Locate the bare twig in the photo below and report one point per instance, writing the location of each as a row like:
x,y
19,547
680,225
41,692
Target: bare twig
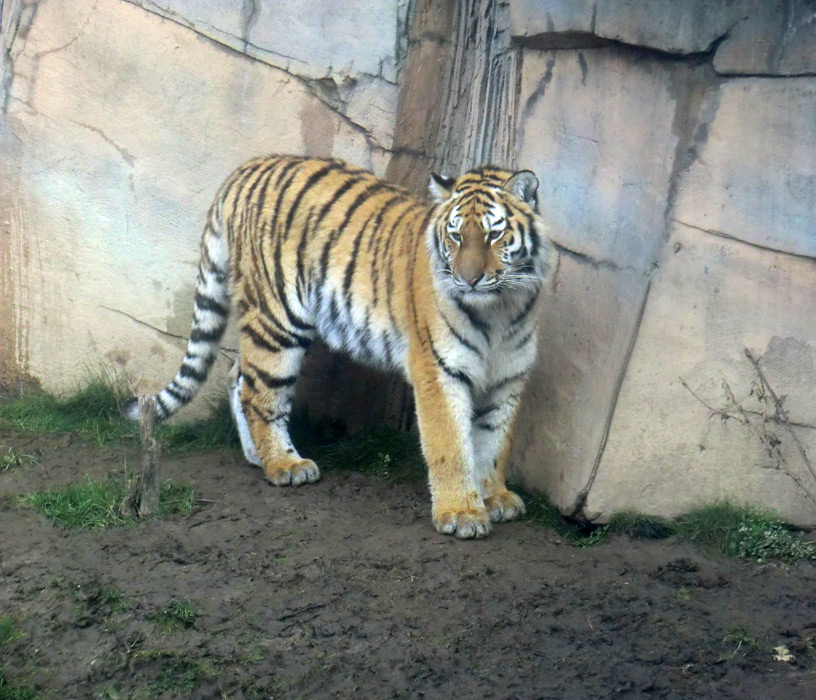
x,y
149,503
725,415
773,449
761,434
769,441
301,611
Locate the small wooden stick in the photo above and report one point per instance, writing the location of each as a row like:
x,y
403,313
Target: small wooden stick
x,y
149,501
142,493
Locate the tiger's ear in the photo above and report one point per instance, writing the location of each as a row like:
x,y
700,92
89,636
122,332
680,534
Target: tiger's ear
x,y
524,184
440,187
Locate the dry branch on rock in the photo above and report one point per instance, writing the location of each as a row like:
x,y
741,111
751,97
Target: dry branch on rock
x,y
764,426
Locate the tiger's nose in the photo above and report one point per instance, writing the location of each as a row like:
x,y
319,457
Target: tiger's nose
x,y
473,282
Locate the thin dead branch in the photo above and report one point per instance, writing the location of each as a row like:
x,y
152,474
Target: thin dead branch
x,y
781,412
760,428
725,415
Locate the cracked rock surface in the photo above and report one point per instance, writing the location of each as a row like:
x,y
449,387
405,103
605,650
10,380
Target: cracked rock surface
x,y
118,126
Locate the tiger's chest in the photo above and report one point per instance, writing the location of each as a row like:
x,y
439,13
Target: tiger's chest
x,y
488,346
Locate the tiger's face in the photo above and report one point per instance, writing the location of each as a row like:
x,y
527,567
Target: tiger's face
x,y
486,235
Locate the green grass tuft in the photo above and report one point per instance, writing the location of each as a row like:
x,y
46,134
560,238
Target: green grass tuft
x,y
381,452
94,504
93,412
211,433
93,598
639,526
9,691
542,513
177,615
13,459
748,532
734,531
172,674
8,631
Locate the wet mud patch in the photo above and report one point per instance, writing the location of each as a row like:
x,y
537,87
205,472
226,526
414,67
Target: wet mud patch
x,y
344,589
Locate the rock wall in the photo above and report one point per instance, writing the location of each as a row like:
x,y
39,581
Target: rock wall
x,y
119,122
676,145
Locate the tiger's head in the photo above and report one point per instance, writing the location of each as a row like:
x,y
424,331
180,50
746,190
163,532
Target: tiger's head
x,y
486,236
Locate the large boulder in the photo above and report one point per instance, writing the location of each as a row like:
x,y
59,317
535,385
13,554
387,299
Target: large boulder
x,y
603,150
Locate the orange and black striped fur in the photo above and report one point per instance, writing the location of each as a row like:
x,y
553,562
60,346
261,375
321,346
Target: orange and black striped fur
x,y
445,291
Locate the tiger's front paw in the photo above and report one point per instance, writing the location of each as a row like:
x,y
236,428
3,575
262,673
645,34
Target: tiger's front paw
x,y
292,473
505,506
465,524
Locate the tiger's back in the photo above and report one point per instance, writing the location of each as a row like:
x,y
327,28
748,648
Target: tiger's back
x,y
319,248
445,292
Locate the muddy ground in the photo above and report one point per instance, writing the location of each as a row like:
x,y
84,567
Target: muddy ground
x,y
343,589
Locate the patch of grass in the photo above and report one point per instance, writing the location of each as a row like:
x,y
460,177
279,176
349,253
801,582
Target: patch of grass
x,y
13,691
542,513
13,459
94,413
178,674
213,432
93,598
9,631
592,538
738,639
176,615
748,532
735,531
639,526
94,504
380,451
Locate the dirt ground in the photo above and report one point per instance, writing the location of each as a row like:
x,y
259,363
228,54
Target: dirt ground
x,y
343,589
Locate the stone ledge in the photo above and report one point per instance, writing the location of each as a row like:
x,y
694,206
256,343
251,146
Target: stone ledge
x,y
774,37
671,26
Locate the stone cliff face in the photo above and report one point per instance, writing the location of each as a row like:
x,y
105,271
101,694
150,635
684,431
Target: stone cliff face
x,y
675,142
676,145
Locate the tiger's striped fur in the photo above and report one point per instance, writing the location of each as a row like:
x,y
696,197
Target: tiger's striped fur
x,y
445,292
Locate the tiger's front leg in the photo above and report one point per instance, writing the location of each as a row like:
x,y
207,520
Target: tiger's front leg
x,y
444,406
493,420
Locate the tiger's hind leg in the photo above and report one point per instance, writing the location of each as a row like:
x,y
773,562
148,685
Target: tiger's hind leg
x,y
268,375
237,410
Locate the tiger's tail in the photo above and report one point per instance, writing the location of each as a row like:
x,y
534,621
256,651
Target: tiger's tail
x,y
211,308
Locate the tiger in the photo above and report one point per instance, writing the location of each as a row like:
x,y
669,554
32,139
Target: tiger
x,y
445,291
